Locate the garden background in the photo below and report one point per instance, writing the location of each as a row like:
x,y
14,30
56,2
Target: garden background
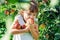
x,y
48,18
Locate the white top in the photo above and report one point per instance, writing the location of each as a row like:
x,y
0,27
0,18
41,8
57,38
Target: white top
x,y
22,36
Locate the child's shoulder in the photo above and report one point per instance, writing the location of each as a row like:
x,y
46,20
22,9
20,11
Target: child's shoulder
x,y
18,16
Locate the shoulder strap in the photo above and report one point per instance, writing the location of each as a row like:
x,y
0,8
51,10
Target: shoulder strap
x,y
23,19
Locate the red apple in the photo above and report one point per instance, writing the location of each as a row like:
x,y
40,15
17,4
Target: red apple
x,y
16,26
23,27
12,10
31,20
6,12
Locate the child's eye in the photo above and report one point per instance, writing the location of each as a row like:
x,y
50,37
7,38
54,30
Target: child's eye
x,y
34,15
29,14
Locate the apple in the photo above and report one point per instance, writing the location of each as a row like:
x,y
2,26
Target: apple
x,y
7,12
23,26
12,10
16,26
30,20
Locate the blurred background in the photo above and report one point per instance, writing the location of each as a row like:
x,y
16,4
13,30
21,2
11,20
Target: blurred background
x,y
48,17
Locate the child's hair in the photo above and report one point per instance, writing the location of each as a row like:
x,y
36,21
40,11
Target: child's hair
x,y
33,7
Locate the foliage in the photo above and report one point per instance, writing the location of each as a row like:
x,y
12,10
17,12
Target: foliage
x,y
50,17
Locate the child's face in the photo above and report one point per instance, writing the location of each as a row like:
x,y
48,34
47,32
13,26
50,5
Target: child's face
x,y
32,15
28,14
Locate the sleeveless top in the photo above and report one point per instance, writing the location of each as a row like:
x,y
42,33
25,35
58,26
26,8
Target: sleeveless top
x,y
22,36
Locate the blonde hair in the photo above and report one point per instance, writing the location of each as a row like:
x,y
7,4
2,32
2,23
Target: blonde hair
x,y
25,6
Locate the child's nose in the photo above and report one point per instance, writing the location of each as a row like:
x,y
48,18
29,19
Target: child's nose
x,y
31,16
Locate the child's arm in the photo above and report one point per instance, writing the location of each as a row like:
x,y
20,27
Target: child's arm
x,y
33,29
16,31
